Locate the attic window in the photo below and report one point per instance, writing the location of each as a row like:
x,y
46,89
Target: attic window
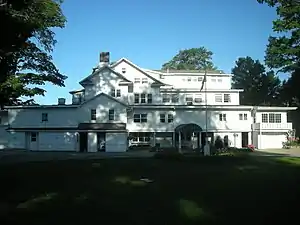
x,y
123,70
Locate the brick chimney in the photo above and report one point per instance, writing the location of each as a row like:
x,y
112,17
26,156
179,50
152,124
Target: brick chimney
x,y
104,59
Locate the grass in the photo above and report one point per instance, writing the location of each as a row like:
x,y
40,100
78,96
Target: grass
x,y
199,190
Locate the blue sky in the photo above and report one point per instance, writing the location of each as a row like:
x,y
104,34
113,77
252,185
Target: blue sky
x,y
151,32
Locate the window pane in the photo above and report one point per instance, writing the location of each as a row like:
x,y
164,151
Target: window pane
x,y
137,118
118,93
136,98
166,98
149,98
143,98
189,79
224,117
144,81
143,118
241,116
227,98
271,118
264,118
198,98
130,89
277,118
162,118
189,98
170,118
93,114
111,114
175,98
245,116
44,117
137,80
200,79
112,92
218,98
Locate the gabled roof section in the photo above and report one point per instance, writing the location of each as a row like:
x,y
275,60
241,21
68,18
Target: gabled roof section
x,y
138,68
100,70
106,95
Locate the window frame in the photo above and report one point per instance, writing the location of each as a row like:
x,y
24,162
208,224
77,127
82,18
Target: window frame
x,y
113,92
227,98
265,118
222,117
44,117
111,114
162,117
149,98
118,93
93,114
170,118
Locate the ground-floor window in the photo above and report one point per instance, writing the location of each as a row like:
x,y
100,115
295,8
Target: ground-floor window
x,y
140,136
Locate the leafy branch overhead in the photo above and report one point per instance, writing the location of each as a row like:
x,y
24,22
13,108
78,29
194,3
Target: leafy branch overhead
x,y
191,59
283,52
25,47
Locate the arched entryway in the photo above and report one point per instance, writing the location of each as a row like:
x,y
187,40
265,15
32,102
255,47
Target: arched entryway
x,y
188,136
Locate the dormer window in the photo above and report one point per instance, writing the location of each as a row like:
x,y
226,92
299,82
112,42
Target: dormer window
x,y
144,80
123,70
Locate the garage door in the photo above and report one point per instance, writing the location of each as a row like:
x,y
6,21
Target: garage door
x,y
272,140
116,142
57,141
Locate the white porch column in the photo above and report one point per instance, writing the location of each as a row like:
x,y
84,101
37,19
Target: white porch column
x,y
92,142
174,139
154,139
179,143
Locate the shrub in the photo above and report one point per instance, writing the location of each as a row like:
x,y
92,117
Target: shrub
x,y
219,143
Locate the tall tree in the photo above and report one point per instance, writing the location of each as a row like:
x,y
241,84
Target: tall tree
x,y
283,51
260,87
191,59
27,40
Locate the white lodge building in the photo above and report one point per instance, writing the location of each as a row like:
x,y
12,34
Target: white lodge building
x,y
123,104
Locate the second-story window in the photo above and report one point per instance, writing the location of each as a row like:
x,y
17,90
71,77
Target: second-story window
x,y
113,92
118,93
189,98
144,80
165,98
222,117
136,98
243,116
130,88
140,118
264,118
175,98
137,80
198,98
44,117
149,98
162,118
274,118
227,98
189,79
111,114
170,118
93,114
143,98
218,98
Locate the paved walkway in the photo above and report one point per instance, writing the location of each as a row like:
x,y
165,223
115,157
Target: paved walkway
x,y
294,152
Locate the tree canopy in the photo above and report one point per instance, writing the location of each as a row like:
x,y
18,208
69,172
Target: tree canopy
x,y
260,87
283,52
26,43
191,59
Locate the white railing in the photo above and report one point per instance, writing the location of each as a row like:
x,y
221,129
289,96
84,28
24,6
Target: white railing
x,y
273,126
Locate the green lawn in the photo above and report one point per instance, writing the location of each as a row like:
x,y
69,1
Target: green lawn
x,y
207,190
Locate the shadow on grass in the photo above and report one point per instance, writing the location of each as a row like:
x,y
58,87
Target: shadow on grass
x,y
192,190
